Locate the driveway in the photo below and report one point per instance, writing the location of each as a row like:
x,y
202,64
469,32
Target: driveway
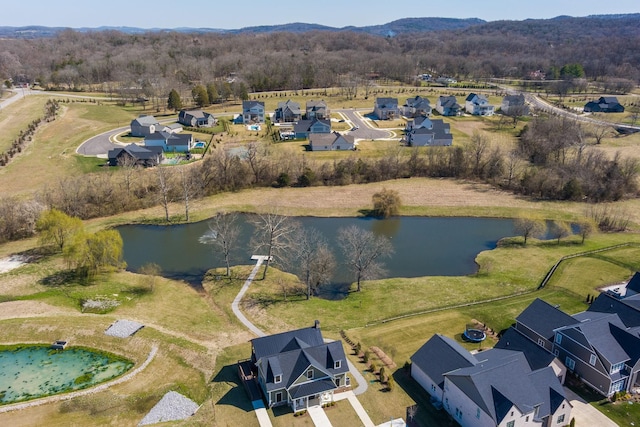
x,y
585,414
365,130
100,144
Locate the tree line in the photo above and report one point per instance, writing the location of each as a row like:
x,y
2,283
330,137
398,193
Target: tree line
x,y
152,63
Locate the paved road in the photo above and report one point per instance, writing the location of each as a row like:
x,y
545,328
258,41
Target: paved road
x,y
100,144
365,129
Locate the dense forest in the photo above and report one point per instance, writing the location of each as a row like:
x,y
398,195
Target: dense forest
x,y
604,47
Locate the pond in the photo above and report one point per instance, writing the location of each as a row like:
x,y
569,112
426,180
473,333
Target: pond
x,y
29,372
424,246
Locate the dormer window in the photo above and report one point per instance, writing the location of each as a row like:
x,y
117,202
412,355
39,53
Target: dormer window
x,y
310,374
337,364
278,379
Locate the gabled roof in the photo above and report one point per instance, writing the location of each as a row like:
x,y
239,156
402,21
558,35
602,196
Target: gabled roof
x,y
137,152
306,125
542,318
628,309
145,120
247,105
609,100
448,101
537,356
513,100
440,355
505,380
634,283
286,341
322,139
387,102
293,106
198,114
418,102
316,105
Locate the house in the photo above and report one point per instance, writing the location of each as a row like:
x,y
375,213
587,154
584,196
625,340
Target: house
x,y
386,108
495,387
317,110
537,356
252,112
448,106
135,155
416,107
196,118
331,141
514,105
144,125
303,128
423,132
174,143
478,105
538,321
288,111
601,345
606,104
297,368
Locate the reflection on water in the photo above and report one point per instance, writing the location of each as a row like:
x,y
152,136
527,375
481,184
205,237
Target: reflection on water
x,y
423,246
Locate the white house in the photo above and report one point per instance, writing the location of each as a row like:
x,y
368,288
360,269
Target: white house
x,y
478,105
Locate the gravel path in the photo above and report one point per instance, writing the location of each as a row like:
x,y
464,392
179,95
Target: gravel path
x,y
86,392
172,407
123,328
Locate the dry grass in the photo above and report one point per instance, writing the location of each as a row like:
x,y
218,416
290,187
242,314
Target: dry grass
x,y
17,116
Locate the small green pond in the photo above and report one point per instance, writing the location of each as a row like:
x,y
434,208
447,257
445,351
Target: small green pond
x,y
33,371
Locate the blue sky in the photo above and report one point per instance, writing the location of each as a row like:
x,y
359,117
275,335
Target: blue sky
x,y
230,14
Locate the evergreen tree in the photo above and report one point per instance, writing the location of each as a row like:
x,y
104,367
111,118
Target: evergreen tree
x,y
200,95
174,102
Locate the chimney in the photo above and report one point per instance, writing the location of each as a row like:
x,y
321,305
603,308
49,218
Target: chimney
x,y
316,324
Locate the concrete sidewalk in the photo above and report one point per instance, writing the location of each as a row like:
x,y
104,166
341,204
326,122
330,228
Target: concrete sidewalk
x,y
585,414
318,417
357,406
261,413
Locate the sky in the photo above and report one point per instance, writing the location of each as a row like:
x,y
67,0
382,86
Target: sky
x,y
229,14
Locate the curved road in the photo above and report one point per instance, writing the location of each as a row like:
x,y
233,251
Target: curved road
x,y
365,130
100,144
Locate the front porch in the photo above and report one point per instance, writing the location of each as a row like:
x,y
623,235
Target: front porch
x,y
306,402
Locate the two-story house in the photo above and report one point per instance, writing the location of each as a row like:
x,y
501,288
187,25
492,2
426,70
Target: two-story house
x,y
386,108
495,387
288,112
297,368
317,110
303,128
605,104
478,105
514,105
448,106
416,107
252,112
425,132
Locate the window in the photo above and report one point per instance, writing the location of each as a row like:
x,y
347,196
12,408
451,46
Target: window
x,y
512,413
337,364
540,342
617,367
478,413
556,352
433,387
592,359
527,419
279,397
560,419
278,379
511,424
617,386
558,339
571,364
310,374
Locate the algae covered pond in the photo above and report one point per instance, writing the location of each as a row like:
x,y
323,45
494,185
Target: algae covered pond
x,y
30,372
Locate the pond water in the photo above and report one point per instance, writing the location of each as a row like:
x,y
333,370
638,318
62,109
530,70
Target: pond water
x,y
423,246
30,372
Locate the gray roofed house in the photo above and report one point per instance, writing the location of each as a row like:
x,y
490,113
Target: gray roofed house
x,y
386,108
416,107
537,356
287,112
196,118
633,286
298,368
331,141
495,387
627,308
303,128
317,110
539,320
144,125
170,142
448,106
427,132
605,104
252,112
135,155
478,105
514,105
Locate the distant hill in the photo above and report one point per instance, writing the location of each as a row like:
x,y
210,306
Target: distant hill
x,y
400,26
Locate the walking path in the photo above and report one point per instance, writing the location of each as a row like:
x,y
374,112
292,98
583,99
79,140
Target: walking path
x,y
261,412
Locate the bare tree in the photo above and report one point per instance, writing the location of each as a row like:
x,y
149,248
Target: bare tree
x,y
274,234
362,249
559,230
223,233
164,189
599,133
152,271
188,187
314,259
529,227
